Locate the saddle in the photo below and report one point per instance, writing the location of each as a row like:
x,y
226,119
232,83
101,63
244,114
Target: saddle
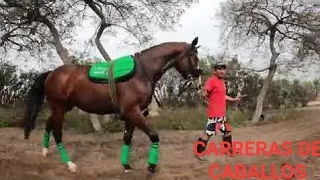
x,y
117,70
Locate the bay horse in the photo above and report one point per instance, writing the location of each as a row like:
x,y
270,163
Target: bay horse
x,y
68,86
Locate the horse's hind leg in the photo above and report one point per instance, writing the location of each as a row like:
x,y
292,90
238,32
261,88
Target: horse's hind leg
x,y
136,117
57,122
46,137
127,136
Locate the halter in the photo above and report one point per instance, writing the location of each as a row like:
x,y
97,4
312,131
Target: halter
x,y
173,61
190,80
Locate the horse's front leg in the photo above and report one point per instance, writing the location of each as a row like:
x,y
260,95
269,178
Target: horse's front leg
x,y
127,136
135,116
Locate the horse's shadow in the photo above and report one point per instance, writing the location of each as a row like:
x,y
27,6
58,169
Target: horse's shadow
x,y
139,174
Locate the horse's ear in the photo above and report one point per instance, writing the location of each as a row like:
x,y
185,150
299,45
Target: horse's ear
x,y
194,42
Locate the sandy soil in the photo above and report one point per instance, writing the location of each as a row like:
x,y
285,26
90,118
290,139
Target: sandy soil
x,y
97,155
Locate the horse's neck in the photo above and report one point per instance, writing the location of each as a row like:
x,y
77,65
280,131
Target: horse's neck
x,y
154,63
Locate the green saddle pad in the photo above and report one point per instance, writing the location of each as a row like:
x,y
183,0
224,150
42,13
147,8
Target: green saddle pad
x,y
123,69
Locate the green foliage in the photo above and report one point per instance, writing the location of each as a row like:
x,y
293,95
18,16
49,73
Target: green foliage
x,y
286,94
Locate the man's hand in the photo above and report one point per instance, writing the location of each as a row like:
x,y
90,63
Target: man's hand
x,y
238,98
204,94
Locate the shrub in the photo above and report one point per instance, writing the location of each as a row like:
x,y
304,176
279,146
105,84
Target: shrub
x,y
194,118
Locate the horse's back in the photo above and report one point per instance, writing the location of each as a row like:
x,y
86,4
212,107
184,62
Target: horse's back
x,y
64,77
71,68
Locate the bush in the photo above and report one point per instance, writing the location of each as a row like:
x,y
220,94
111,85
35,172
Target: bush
x,y
238,118
170,119
284,115
194,118
180,119
9,117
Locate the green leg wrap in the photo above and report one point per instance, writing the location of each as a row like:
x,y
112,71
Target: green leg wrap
x,y
63,153
154,153
46,139
125,154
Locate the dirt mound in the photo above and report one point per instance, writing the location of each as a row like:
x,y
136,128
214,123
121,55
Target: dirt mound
x,y
98,155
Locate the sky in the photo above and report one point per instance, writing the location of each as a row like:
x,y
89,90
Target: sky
x,y
197,21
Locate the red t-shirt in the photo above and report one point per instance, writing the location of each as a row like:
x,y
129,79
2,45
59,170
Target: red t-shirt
x,y
216,97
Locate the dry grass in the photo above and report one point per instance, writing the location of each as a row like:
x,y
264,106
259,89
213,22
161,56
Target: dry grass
x,y
170,119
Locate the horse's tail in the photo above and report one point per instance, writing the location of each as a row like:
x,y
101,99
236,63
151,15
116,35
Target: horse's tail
x,y
35,99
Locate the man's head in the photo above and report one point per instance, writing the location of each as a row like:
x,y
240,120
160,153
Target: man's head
x,y
219,69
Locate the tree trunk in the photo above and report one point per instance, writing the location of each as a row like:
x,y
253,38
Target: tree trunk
x,y
268,80
154,108
61,50
262,95
94,118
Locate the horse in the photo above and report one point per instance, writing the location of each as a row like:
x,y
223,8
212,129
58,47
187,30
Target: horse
x,y
69,86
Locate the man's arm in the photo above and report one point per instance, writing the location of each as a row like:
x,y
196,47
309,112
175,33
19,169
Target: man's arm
x,y
207,88
228,98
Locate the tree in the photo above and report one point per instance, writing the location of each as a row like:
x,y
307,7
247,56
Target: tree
x,y
36,26
286,25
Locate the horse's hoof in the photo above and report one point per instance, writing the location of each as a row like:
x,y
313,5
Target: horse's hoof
x,y
152,168
72,167
127,168
45,152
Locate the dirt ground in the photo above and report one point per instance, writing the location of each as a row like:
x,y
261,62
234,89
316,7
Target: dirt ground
x,y
97,155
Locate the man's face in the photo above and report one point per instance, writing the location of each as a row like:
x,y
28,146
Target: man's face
x,y
220,72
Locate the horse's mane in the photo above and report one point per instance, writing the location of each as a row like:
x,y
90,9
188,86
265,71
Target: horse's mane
x,y
157,46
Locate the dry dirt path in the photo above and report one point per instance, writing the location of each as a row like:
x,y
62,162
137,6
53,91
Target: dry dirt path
x,y
97,155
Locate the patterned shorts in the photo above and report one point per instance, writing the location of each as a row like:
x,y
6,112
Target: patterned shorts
x,y
217,124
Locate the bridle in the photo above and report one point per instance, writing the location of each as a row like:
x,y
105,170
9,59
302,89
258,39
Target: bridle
x,y
186,54
190,80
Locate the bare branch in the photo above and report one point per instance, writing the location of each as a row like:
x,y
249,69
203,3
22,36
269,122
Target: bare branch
x,y
255,70
102,27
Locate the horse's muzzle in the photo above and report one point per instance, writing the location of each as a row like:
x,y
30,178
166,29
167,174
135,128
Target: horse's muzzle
x,y
193,74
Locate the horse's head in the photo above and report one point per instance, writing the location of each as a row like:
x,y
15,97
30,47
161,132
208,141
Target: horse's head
x,y
186,62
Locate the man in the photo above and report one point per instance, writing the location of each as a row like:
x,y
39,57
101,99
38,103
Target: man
x,y
215,92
